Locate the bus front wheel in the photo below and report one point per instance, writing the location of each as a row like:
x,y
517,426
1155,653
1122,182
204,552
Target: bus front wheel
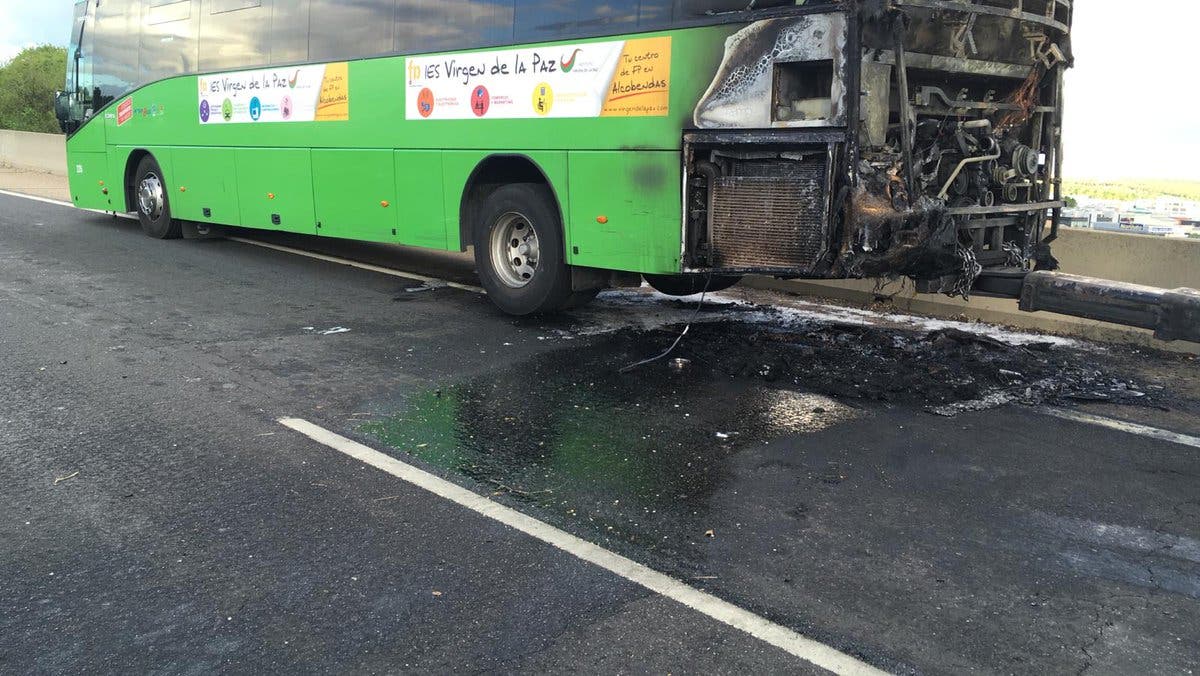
x,y
153,205
519,251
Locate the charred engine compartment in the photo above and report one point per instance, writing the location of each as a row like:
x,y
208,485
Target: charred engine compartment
x,y
945,169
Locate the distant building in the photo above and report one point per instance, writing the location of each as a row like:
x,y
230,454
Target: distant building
x,y
1137,223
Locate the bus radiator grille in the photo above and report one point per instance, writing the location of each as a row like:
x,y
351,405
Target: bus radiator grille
x,y
769,222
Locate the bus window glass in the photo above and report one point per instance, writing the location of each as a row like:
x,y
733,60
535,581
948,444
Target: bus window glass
x,y
441,25
654,14
233,34
168,43
539,21
218,6
288,42
345,30
114,63
698,9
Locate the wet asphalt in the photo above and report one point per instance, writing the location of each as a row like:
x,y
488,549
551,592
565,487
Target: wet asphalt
x,y
154,516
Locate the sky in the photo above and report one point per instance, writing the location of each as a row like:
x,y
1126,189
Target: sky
x,y
1133,105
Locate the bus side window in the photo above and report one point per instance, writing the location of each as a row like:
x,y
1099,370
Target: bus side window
x,y
114,63
341,30
436,25
234,34
170,29
537,20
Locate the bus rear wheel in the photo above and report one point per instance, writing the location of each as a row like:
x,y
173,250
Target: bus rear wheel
x,y
519,251
690,285
153,205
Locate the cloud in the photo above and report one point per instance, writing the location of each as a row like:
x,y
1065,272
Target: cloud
x,y
8,51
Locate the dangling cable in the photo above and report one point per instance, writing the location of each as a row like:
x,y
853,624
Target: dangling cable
x,y
679,339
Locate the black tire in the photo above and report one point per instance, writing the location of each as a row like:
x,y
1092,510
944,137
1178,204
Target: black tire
x,y
539,283
155,217
690,285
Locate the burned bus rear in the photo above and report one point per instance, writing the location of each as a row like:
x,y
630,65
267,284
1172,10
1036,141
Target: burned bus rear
x,y
889,139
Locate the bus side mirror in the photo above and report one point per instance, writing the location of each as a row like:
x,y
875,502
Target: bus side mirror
x,y
62,111
62,105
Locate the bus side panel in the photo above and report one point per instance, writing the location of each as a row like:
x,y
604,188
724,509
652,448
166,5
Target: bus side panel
x,y
637,195
275,188
206,178
88,179
87,167
458,165
421,202
355,193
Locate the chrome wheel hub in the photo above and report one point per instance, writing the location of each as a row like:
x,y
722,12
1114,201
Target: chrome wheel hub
x,y
515,250
150,196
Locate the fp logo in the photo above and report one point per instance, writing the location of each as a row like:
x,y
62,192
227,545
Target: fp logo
x,y
425,102
414,71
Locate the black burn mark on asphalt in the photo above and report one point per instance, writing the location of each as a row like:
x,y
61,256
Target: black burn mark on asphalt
x,y
634,460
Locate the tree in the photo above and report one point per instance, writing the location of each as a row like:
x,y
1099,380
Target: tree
x,y
27,86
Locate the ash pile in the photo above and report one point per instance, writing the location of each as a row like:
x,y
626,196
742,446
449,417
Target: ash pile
x,y
944,372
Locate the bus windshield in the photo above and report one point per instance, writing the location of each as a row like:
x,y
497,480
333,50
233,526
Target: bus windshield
x,y
74,102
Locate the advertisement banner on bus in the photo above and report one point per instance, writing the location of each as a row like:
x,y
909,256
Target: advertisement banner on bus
x,y
317,93
626,78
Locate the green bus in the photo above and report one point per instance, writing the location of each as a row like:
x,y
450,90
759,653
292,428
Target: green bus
x,y
581,145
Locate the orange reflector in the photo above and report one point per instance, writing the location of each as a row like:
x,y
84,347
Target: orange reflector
x,y
270,195
182,189
385,204
101,182
602,219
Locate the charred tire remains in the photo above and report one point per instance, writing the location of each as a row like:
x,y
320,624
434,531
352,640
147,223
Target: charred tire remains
x,y
152,201
519,251
690,285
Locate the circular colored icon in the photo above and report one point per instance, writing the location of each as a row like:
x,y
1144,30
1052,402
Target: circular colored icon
x,y
480,101
543,99
205,111
227,110
255,109
425,102
285,107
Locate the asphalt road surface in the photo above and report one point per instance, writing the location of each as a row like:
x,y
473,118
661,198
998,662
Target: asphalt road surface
x,y
832,477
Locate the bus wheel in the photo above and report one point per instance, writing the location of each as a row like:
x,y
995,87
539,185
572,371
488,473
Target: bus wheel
x,y
153,206
519,250
690,285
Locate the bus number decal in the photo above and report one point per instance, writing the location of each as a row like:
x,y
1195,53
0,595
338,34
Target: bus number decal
x,y
628,78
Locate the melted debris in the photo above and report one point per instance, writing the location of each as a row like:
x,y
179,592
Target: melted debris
x,y
945,371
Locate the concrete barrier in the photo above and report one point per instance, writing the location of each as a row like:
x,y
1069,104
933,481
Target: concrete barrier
x,y
1167,263
33,152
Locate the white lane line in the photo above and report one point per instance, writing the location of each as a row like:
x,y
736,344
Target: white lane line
x,y
35,198
1122,426
356,264
278,247
61,203
781,637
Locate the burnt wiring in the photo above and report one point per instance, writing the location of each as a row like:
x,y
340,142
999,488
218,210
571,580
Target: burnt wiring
x,y
678,339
